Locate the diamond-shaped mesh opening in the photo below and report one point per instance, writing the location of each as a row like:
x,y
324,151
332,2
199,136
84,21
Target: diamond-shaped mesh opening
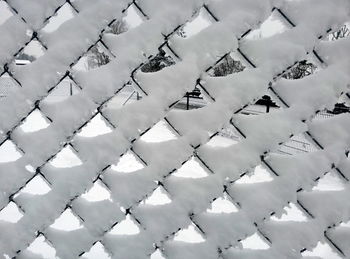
x,y
158,197
41,247
34,122
195,99
67,157
227,136
63,14
201,20
273,25
191,169
96,126
255,242
322,250
126,227
157,255
96,251
222,204
230,64
161,201
265,104
128,163
67,221
331,181
36,186
160,132
11,213
342,106
97,56
258,175
65,88
302,69
117,27
9,152
31,52
292,212
127,95
7,85
98,192
190,234
341,33
158,62
132,18
298,144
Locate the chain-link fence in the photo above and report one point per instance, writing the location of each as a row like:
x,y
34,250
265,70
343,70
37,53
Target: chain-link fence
x,y
124,135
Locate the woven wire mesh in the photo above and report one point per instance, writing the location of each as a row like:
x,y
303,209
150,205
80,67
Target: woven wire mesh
x,y
295,146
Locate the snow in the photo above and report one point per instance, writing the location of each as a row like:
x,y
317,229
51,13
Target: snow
x,y
40,246
323,250
97,126
157,255
9,152
189,235
86,170
330,182
260,174
11,213
37,185
98,192
34,122
222,205
35,49
292,213
66,158
97,251
158,197
61,92
132,17
128,163
191,169
202,21
219,141
158,133
254,242
55,21
5,12
66,221
271,26
125,227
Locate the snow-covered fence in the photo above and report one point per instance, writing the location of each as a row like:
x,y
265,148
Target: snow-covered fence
x,y
87,176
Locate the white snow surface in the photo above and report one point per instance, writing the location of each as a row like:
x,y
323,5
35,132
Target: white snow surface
x,y
83,177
